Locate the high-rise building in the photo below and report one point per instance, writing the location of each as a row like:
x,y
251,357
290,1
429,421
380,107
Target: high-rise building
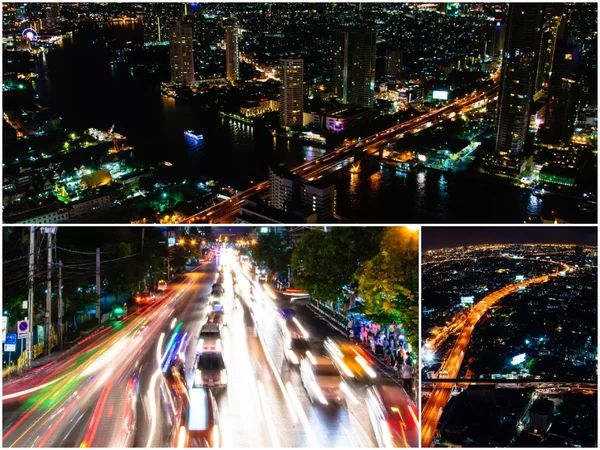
x,y
518,76
393,62
320,197
563,92
283,188
494,37
554,24
291,102
232,57
353,78
181,51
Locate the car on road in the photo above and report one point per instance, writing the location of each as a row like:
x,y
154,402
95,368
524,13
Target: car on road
x,y
295,349
394,416
209,339
210,370
322,380
217,318
351,360
118,312
203,426
145,297
162,286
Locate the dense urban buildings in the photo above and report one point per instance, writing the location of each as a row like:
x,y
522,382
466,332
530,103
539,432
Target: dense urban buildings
x,y
409,112
513,327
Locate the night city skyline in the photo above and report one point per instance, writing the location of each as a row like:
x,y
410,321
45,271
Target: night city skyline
x,y
300,224
448,237
513,327
300,113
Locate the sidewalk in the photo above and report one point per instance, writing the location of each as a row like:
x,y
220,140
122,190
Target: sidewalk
x,y
385,368
43,362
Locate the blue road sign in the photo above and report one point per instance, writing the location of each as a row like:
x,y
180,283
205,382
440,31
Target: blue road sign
x,y
11,338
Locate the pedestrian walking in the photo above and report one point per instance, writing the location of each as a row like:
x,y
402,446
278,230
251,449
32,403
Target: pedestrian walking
x,y
407,378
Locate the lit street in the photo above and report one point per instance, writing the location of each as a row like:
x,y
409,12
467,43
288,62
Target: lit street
x,y
441,393
109,390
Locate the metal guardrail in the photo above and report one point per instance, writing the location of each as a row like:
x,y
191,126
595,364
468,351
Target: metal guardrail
x,y
332,315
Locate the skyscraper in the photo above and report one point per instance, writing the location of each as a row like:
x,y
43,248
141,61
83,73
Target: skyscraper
x,y
393,63
520,60
553,24
353,78
563,90
232,57
181,51
291,102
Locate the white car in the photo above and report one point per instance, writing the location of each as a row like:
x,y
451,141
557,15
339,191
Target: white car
x,y
322,380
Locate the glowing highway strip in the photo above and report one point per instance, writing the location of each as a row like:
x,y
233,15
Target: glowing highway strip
x,y
262,395
152,391
29,391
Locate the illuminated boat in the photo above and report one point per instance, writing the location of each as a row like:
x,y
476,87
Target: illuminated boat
x,y
192,134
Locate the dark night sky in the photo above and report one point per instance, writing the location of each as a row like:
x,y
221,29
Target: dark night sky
x,y
445,237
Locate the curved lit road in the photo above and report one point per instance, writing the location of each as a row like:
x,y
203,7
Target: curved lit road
x,y
432,411
87,397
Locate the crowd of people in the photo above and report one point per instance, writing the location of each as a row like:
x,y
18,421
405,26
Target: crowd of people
x,y
391,348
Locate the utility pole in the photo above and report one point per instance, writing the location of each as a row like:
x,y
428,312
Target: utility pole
x,y
48,311
60,307
98,284
142,259
30,295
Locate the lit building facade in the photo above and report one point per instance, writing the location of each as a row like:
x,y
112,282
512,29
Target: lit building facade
x,y
291,101
232,56
353,78
181,52
563,94
517,86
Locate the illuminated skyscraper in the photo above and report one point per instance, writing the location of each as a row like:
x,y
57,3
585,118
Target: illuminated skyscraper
x,y
517,86
291,102
554,23
353,78
393,63
563,91
232,56
181,51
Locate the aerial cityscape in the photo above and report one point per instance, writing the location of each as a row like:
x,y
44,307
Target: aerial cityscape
x,y
509,337
331,113
210,337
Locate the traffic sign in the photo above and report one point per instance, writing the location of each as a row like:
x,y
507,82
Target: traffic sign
x,y
10,347
11,339
23,328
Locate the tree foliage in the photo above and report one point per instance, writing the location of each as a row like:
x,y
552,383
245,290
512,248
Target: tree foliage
x,y
123,277
272,251
389,282
324,263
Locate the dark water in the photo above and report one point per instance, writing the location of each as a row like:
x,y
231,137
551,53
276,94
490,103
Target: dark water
x,y
78,82
383,195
